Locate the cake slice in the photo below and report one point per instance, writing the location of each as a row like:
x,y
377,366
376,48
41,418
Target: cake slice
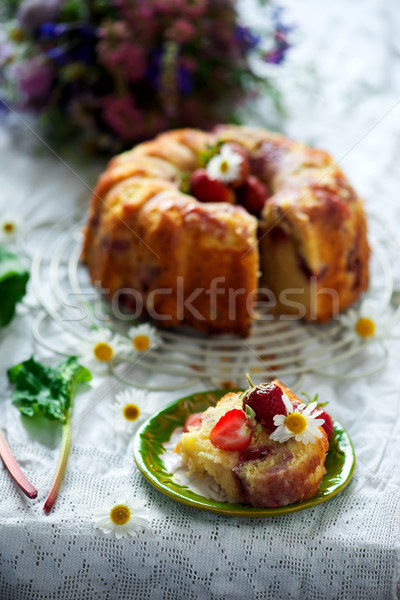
x,y
256,461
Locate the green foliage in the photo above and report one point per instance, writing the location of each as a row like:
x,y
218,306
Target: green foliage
x,y
315,399
13,280
208,153
40,388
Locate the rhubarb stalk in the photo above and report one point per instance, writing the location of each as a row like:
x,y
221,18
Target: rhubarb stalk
x,y
61,465
48,390
14,469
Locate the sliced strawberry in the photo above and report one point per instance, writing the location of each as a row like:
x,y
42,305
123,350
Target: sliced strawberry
x,y
231,432
193,420
206,189
266,402
244,166
328,425
253,194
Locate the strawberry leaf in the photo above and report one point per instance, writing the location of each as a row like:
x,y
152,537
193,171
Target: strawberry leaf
x,y
206,155
315,399
250,413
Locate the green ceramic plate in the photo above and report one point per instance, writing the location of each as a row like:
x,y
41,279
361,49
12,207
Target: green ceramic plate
x,y
148,451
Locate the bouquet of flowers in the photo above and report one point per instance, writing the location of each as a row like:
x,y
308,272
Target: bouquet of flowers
x,y
115,72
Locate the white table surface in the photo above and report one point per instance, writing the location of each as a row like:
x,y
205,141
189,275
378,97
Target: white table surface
x,y
341,89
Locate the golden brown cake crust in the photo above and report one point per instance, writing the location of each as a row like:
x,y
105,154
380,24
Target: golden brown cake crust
x,y
313,229
142,233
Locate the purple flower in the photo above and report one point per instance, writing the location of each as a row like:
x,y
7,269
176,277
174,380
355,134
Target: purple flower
x,y
185,80
278,22
52,30
154,68
33,13
275,57
126,69
34,79
246,37
277,54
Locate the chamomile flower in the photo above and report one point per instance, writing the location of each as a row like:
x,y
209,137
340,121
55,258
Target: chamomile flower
x,y
225,166
144,337
300,423
9,227
125,517
102,348
129,410
366,323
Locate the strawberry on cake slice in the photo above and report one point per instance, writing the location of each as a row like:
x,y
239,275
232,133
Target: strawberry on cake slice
x,y
264,446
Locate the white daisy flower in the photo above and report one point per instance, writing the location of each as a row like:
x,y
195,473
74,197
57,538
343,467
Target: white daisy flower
x,y
366,323
298,423
9,227
122,518
144,337
102,348
225,166
129,410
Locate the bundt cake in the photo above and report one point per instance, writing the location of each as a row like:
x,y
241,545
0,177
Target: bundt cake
x,y
192,227
255,461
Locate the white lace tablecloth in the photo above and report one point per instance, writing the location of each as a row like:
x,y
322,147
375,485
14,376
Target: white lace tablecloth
x,y
341,89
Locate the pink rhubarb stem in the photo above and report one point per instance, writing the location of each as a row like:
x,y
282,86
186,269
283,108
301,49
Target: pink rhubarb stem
x,y
14,469
61,466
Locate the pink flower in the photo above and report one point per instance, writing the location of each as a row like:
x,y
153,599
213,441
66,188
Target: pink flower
x,y
126,57
122,116
168,6
185,8
181,31
141,18
196,8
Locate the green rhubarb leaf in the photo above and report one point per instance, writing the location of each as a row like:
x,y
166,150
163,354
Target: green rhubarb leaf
x,y
13,280
44,389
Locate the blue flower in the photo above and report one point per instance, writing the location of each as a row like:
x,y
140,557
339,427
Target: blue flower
x,y
185,80
246,37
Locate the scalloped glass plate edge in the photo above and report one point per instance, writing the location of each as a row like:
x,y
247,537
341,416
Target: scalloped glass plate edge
x,y
156,430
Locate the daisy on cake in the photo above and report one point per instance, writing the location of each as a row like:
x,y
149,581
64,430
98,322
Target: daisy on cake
x,y
264,446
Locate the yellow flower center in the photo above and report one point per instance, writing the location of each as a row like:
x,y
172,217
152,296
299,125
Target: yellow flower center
x,y
120,514
131,412
141,343
17,34
103,352
296,423
8,227
224,166
365,327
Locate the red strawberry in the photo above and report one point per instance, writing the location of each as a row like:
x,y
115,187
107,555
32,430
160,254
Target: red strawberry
x,y
253,194
193,420
231,432
244,167
266,402
206,189
328,425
